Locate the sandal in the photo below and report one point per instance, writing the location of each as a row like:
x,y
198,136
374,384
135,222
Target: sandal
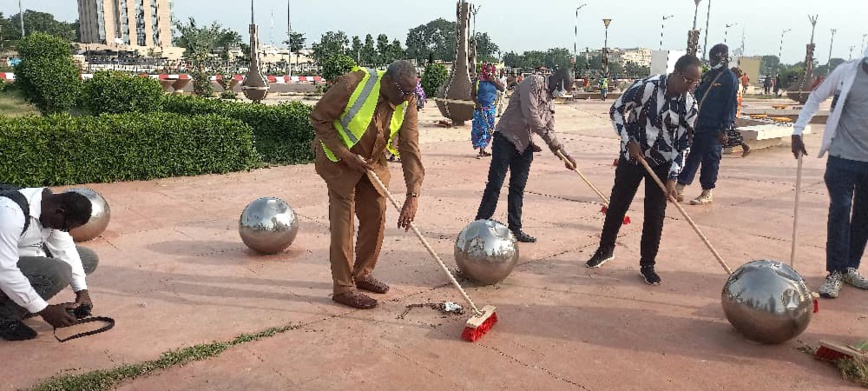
x,y
355,299
371,284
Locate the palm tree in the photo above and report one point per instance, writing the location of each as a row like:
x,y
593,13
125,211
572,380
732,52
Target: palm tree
x,y
296,44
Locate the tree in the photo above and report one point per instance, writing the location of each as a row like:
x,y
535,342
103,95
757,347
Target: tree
x,y
382,48
369,52
41,22
437,37
826,69
47,76
199,44
769,65
394,52
356,50
635,71
295,43
336,66
557,58
433,77
486,49
331,43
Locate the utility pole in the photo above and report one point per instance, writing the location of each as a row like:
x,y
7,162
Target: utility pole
x,y
21,15
663,28
707,22
576,36
829,64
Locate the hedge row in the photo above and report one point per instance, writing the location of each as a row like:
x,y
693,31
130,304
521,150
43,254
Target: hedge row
x,y
62,150
283,132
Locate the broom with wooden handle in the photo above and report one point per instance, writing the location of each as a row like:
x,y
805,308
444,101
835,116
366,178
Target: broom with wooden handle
x,y
686,216
482,320
591,185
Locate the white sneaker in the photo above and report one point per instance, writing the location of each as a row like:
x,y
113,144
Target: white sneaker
x,y
705,198
832,285
853,278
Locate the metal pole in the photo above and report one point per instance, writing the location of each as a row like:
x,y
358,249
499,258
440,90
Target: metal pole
x,y
606,48
21,16
781,52
663,28
863,42
576,37
829,64
696,12
289,38
726,32
851,52
707,22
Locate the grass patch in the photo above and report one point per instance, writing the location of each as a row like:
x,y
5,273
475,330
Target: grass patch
x,y
105,379
12,105
855,370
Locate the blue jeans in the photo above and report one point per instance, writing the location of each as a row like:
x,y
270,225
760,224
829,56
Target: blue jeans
x,y
505,157
707,151
847,181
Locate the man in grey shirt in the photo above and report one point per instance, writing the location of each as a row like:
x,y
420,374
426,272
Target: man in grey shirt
x,y
846,140
530,111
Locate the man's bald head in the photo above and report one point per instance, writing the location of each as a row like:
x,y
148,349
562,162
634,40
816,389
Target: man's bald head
x,y
402,71
399,82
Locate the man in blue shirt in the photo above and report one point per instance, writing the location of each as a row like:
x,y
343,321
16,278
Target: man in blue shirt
x,y
717,95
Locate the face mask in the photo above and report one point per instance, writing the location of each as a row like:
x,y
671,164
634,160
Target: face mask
x,y
718,66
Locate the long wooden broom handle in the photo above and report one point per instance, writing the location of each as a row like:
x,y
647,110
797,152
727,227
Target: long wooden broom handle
x,y
373,176
584,178
796,212
686,217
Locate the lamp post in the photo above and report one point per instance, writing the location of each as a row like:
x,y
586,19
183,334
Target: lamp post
x,y
663,28
576,36
707,21
606,48
726,32
693,34
21,17
829,64
863,41
289,37
781,51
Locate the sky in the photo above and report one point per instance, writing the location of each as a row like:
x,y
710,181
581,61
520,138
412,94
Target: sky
x,y
516,26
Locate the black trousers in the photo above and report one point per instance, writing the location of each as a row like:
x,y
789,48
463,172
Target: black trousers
x,y
628,176
505,157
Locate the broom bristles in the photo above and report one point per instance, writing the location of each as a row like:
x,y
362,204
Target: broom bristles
x,y
478,325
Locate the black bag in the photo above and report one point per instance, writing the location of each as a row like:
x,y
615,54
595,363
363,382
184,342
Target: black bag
x,y
11,192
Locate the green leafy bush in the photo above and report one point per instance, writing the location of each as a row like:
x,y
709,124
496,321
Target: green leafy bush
x,y
47,76
283,132
433,77
335,66
61,149
202,84
118,92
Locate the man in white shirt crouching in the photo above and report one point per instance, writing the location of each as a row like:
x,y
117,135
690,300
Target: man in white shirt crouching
x,y
38,258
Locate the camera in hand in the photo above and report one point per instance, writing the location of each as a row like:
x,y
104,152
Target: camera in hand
x,y
83,311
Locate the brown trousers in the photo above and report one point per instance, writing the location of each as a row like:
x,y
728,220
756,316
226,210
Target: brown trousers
x,y
369,206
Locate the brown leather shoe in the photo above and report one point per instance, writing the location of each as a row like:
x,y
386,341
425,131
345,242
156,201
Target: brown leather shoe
x,y
355,299
371,284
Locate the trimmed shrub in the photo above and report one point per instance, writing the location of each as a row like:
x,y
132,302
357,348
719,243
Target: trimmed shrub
x,y
202,84
114,92
283,132
336,65
432,78
47,76
61,149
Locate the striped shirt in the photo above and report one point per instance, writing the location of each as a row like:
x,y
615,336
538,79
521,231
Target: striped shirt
x,y
661,125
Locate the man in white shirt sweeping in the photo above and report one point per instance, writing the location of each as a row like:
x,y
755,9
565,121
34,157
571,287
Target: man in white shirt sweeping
x,y
846,141
38,258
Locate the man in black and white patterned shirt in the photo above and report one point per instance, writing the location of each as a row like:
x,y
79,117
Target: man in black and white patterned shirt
x,y
654,119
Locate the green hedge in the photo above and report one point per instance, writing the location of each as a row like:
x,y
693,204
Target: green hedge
x,y
47,76
62,150
114,92
283,132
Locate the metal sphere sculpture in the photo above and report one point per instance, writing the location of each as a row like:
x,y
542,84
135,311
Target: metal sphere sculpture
x,y
767,302
99,216
268,225
486,251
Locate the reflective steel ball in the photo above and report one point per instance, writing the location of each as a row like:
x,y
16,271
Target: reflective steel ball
x,y
268,225
486,251
99,216
767,302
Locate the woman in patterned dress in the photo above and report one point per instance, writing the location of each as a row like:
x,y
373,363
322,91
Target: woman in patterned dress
x,y
484,95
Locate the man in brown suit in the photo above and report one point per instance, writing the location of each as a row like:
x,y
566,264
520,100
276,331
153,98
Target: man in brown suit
x,y
350,190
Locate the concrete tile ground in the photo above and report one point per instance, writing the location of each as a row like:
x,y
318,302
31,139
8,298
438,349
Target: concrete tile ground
x,y
174,274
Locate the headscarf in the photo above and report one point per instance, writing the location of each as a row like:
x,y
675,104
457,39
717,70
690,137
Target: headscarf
x,y
488,71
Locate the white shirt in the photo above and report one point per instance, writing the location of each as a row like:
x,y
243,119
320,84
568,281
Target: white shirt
x,y
839,82
14,245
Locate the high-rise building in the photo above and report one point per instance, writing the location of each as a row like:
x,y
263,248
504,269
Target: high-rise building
x,y
142,23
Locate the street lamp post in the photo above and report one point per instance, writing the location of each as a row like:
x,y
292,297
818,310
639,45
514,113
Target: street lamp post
x,y
576,36
781,51
726,32
863,42
663,28
21,17
832,42
693,34
606,48
707,22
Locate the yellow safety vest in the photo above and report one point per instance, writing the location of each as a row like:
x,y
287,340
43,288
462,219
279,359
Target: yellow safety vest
x,y
359,113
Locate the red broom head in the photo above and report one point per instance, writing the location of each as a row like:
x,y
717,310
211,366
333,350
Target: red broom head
x,y
604,209
626,220
471,334
615,163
